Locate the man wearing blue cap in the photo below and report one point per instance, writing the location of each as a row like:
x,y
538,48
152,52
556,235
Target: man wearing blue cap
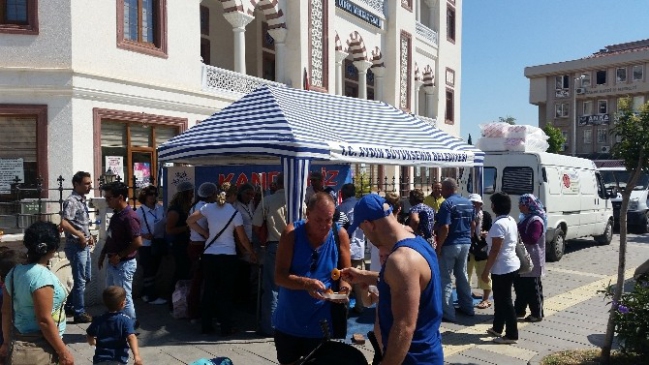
x,y
410,306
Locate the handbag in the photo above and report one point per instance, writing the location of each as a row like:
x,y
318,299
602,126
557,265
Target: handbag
x,y
263,230
159,246
220,233
30,348
527,265
339,311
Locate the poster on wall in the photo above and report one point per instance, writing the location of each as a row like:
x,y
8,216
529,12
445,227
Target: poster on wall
x,y
10,169
142,172
116,165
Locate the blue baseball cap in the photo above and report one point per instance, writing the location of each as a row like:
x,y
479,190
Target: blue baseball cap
x,y
370,208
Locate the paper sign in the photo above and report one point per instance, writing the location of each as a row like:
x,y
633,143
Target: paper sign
x,y
9,170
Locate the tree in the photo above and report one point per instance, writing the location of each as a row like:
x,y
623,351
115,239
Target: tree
x,y
508,119
556,140
469,141
633,131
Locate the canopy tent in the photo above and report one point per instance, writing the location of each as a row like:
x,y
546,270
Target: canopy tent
x,y
273,124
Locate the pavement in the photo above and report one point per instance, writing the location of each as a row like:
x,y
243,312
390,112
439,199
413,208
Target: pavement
x,y
576,314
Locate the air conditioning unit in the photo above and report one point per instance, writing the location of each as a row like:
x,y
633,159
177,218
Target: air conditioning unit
x,y
605,149
581,90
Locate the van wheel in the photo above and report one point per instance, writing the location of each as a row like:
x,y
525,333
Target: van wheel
x,y
607,237
557,247
643,227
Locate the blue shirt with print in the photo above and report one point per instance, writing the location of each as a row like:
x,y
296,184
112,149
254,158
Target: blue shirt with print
x,y
111,331
458,213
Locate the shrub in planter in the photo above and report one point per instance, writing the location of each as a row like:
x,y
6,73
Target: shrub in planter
x,y
631,316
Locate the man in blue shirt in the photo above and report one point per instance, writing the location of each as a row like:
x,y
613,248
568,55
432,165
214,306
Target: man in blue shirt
x,y
454,221
409,311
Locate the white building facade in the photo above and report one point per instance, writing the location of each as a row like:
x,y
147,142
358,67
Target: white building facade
x,y
581,97
84,84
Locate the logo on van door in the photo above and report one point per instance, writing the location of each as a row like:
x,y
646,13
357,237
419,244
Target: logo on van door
x,y
570,182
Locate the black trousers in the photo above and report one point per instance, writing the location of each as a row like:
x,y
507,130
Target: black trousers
x,y
504,314
150,264
529,292
219,273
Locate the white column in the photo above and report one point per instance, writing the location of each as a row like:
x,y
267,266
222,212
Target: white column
x,y
362,66
416,109
379,73
279,36
430,101
239,21
340,81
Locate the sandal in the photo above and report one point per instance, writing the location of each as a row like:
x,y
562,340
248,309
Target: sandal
x,y
483,304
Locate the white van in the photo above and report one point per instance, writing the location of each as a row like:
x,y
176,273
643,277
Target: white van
x,y
615,179
570,188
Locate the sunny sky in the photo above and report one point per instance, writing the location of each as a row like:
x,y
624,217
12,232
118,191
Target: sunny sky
x,y
502,37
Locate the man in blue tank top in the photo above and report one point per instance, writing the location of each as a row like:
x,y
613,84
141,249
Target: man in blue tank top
x,y
410,297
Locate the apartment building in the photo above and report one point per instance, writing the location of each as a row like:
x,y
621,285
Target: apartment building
x,y
581,97
85,85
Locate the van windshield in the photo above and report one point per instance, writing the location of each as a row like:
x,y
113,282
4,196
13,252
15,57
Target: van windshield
x,y
619,178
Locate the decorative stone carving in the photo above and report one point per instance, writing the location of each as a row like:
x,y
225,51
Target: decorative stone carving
x,y
221,80
237,19
427,34
317,43
404,74
278,34
375,5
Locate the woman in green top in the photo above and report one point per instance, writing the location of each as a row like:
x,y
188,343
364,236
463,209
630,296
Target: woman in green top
x,y
34,296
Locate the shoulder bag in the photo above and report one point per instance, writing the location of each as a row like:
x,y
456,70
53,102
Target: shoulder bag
x,y
339,311
29,348
159,246
220,233
521,252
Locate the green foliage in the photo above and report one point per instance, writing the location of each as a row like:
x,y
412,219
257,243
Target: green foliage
x,y
363,184
633,130
556,139
508,119
631,318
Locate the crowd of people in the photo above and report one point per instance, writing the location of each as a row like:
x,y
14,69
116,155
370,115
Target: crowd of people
x,y
219,236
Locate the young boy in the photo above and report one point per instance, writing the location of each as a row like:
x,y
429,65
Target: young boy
x,y
113,332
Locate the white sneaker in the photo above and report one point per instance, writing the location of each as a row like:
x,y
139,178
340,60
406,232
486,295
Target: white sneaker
x,y
158,301
145,298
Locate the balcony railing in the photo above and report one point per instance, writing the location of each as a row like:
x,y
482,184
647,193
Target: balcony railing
x,y
220,80
374,4
431,121
427,34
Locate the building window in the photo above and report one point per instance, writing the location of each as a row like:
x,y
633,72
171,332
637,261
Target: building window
x,y
268,66
205,20
206,50
566,138
601,77
638,102
602,135
588,107
19,16
602,106
130,140
585,79
23,150
450,24
637,73
142,26
620,75
562,110
561,82
588,136
450,107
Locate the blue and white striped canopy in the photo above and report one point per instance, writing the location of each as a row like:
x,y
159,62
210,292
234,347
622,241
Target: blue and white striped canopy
x,y
296,126
283,122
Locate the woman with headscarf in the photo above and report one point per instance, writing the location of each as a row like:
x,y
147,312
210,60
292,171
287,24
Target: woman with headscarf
x,y
529,290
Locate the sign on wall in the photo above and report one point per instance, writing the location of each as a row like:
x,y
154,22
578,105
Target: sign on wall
x,y
359,12
597,119
116,165
9,170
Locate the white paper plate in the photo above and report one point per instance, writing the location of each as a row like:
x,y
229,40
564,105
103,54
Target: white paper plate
x,y
334,295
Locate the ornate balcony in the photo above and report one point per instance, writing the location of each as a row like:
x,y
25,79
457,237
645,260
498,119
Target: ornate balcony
x,y
426,34
219,80
375,5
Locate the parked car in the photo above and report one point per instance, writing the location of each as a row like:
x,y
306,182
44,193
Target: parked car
x,y
615,179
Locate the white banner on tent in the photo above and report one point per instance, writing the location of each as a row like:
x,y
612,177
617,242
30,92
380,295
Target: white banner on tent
x,y
386,155
176,175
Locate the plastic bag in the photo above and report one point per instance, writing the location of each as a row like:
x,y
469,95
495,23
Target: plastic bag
x,y
179,299
214,361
